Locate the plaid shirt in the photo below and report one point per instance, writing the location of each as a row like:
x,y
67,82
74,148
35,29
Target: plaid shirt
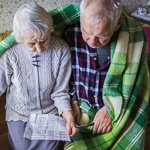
x,y
87,76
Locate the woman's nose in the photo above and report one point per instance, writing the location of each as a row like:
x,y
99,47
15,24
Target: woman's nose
x,y
39,48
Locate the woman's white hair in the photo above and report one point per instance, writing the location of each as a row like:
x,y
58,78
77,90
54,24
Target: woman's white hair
x,y
34,18
110,8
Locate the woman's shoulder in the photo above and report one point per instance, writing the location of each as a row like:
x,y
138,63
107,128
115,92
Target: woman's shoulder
x,y
57,41
59,46
11,52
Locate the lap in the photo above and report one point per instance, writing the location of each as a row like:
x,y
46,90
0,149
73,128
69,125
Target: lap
x,y
16,141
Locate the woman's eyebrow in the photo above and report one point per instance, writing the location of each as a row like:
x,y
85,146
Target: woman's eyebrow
x,y
30,42
44,38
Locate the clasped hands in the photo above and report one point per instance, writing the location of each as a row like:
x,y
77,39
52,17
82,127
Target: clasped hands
x,y
102,120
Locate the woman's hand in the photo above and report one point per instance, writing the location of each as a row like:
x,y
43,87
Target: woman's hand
x,y
70,124
76,112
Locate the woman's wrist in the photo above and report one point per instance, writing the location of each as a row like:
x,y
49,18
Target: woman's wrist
x,y
67,115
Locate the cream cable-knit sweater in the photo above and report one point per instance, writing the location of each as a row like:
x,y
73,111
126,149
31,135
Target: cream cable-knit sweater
x,y
35,82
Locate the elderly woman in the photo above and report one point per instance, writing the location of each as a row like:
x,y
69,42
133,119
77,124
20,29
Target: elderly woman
x,y
35,71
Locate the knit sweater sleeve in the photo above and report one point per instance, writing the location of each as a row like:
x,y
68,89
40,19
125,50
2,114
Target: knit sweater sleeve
x,y
60,93
6,72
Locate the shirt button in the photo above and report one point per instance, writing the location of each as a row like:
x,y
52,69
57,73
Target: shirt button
x,y
95,58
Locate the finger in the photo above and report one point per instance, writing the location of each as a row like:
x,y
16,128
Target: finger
x,y
108,129
99,129
95,118
78,119
74,132
104,129
68,129
105,126
96,125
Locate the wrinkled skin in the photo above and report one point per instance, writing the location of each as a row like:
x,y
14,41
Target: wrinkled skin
x,y
70,124
76,112
102,120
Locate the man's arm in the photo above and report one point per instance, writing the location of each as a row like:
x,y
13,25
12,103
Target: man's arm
x,y
76,111
74,101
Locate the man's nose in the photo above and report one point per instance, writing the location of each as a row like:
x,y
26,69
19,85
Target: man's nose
x,y
92,41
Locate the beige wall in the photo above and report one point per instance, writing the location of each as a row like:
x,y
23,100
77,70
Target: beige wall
x,y
9,7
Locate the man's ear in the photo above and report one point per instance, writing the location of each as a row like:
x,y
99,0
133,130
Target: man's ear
x,y
119,23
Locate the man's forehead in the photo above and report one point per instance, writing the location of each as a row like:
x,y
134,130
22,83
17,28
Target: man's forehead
x,y
102,28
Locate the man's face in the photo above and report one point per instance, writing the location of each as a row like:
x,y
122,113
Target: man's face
x,y
96,35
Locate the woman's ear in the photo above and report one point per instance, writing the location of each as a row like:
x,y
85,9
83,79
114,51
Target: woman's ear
x,y
119,23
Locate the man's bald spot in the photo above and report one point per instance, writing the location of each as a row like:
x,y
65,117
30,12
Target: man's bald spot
x,y
96,11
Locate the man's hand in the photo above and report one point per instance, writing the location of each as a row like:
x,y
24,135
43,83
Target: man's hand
x,y
102,121
76,112
70,124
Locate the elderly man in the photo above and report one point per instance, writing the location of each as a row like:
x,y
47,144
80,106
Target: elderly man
x,y
99,43
98,24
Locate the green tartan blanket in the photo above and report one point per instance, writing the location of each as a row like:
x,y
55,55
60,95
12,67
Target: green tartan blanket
x,y
125,90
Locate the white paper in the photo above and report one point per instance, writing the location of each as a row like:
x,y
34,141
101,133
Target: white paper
x,y
46,127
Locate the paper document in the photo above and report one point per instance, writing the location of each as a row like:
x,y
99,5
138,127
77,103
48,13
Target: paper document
x,y
46,127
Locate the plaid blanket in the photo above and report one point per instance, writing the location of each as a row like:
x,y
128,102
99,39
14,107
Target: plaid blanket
x,y
125,94
125,91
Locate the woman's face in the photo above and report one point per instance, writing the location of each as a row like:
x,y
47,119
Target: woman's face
x,y
35,45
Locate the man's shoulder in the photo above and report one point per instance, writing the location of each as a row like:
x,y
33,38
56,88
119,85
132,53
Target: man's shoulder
x,y
73,26
73,31
73,35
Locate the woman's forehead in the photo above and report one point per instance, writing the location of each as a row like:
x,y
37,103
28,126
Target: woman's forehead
x,y
28,35
31,36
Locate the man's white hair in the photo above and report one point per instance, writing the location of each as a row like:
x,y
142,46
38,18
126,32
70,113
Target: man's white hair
x,y
34,18
110,8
